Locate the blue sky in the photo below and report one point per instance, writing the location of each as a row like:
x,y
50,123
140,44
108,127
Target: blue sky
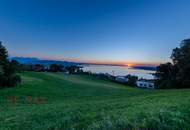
x,y
121,31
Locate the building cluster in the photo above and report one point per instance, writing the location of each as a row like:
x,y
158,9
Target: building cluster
x,y
145,83
141,83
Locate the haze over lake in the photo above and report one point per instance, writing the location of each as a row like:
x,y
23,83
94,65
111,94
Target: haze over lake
x,y
119,70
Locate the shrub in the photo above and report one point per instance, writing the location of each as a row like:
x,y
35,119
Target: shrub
x,y
14,80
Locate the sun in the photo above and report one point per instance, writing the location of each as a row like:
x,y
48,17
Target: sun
x,y
130,65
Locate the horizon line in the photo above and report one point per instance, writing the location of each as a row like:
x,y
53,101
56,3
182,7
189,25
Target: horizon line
x,y
95,62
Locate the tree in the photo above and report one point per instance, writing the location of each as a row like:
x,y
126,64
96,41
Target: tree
x,y
8,78
176,74
1,69
16,66
39,68
26,67
166,76
3,56
181,59
3,63
131,80
56,68
73,69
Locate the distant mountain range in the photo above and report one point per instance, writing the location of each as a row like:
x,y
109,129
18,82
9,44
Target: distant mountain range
x,y
26,60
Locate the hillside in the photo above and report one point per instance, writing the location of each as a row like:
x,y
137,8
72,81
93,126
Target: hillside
x,y
57,101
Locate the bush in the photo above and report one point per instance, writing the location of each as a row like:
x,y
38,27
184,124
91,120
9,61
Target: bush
x,y
14,80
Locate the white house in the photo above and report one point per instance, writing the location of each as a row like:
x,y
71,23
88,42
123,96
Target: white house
x,y
121,79
142,83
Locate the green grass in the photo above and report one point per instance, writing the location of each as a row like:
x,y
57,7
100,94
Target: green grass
x,y
83,102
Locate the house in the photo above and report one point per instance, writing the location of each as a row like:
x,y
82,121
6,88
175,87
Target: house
x,y
121,79
144,83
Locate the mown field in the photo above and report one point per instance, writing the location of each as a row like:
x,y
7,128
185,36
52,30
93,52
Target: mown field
x,y
49,101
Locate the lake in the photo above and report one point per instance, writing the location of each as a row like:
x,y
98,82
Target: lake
x,y
119,70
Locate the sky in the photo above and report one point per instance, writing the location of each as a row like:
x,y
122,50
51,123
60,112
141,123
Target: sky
x,y
98,31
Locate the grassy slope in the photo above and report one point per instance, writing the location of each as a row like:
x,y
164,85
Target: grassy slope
x,y
75,101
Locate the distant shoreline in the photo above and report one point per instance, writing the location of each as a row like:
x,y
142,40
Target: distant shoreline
x,y
150,68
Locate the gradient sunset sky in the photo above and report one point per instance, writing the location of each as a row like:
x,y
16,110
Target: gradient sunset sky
x,y
102,31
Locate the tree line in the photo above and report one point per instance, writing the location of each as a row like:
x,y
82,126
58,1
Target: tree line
x,y
49,68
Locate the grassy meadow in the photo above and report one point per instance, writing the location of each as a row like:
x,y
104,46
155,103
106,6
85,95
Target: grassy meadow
x,y
54,101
